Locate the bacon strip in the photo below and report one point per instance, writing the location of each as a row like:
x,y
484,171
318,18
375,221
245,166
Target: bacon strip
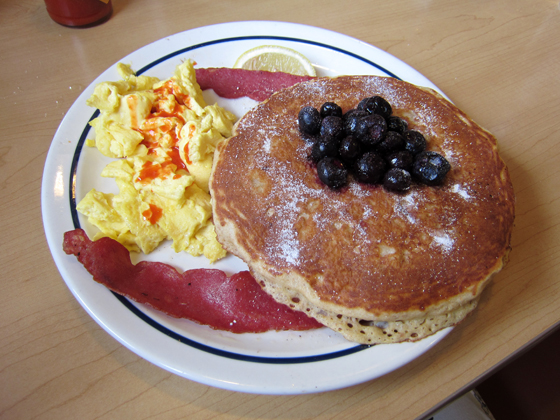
x,y
209,297
236,83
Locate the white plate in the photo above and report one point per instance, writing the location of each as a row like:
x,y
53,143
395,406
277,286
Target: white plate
x,y
270,363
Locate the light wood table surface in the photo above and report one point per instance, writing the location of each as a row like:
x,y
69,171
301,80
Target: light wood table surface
x,y
499,61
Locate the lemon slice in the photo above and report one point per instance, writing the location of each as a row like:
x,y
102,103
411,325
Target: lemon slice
x,y
275,58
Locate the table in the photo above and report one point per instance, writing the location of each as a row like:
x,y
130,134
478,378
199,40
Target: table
x,y
498,61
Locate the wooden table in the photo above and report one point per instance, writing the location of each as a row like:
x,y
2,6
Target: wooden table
x,y
499,61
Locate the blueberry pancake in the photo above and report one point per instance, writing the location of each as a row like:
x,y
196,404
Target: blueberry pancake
x,y
374,264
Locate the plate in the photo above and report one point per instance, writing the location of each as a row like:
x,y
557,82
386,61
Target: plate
x,y
269,363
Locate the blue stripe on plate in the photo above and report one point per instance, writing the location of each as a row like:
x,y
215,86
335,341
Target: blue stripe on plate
x,y
278,38
143,316
230,355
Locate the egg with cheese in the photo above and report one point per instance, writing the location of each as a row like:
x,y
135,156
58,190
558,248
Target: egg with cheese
x,y
163,136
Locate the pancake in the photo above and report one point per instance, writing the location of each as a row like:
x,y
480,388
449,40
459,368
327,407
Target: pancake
x,y
374,265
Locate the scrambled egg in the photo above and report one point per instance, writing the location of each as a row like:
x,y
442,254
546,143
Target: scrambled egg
x,y
164,136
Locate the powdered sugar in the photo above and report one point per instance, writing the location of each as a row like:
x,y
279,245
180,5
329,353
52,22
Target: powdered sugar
x,y
266,142
443,240
359,190
461,191
289,246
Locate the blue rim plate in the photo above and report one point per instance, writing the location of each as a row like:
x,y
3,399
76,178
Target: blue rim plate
x,y
269,363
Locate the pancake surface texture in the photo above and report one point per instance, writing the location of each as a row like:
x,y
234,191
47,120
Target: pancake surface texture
x,y
374,265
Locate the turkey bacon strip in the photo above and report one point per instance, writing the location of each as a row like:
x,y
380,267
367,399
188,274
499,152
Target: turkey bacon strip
x,y
207,296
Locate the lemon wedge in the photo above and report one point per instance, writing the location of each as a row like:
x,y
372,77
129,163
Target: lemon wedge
x,y
275,58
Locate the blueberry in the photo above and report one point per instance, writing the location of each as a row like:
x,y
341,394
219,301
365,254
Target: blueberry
x,y
349,149
330,109
309,120
324,147
397,124
331,127
332,173
350,120
371,130
376,105
397,179
367,104
414,141
430,168
369,168
402,159
383,107
392,142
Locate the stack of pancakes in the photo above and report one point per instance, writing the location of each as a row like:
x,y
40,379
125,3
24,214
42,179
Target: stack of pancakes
x,y
373,265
